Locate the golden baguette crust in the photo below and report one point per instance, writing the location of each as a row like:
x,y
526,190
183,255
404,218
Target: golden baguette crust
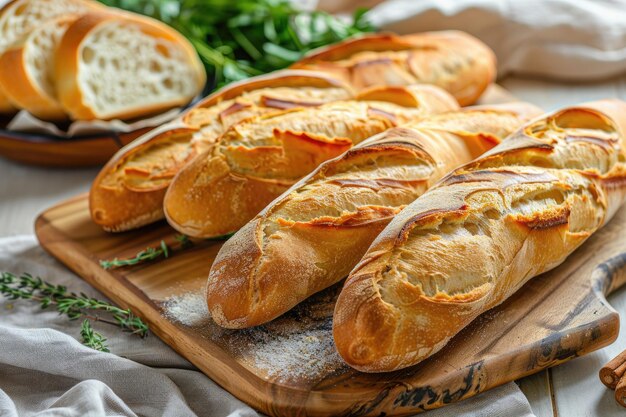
x,y
480,234
16,81
316,232
257,159
454,61
5,104
68,63
129,190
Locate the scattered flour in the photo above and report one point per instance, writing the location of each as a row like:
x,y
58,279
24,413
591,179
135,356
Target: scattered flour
x,y
307,355
189,309
297,346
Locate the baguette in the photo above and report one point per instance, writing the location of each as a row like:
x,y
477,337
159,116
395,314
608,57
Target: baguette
x,y
480,234
121,66
26,74
454,61
256,160
128,192
315,233
19,17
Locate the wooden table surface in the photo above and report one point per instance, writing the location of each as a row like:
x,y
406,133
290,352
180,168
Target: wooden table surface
x,y
571,389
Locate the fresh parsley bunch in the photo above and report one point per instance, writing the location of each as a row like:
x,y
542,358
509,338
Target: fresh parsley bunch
x,y
237,39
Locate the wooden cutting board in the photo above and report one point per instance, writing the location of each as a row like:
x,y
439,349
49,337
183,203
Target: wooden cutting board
x,y
289,367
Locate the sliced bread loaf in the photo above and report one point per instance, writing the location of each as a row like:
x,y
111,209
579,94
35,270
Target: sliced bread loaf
x,y
5,104
20,17
26,71
114,65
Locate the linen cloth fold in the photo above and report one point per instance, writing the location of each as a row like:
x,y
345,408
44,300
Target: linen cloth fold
x,y
45,371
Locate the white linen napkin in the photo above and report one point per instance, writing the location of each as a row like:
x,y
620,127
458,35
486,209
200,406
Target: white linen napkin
x,y
561,39
45,371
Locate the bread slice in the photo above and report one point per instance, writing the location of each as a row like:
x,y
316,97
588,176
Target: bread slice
x,y
26,72
454,61
128,192
256,160
120,66
315,233
19,17
480,234
6,107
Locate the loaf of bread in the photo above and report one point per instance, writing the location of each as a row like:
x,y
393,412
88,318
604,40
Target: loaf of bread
x,y
120,66
259,158
314,234
482,232
6,107
128,192
20,17
454,61
26,71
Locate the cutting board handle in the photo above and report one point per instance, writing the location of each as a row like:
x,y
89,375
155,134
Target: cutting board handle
x,y
610,275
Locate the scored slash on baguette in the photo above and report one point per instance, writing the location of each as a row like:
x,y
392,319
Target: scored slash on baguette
x,y
19,17
129,190
315,233
480,234
256,160
117,65
454,61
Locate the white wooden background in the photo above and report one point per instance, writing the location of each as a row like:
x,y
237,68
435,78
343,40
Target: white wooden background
x,y
570,390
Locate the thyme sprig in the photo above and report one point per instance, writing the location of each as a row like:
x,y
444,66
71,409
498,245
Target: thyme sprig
x,y
71,305
91,338
148,254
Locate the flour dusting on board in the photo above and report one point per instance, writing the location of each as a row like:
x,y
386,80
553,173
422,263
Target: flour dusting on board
x,y
298,345
307,355
189,309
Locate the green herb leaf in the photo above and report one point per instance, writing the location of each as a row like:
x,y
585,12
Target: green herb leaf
x,y
148,254
91,338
